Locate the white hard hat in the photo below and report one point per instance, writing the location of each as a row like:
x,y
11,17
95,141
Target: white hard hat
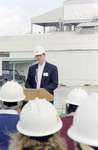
x,y
39,50
39,118
76,96
85,123
11,91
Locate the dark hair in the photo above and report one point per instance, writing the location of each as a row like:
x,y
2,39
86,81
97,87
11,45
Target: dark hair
x,y
71,108
42,139
78,146
9,104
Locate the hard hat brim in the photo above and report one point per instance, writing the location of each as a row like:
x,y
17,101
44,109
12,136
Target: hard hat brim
x,y
78,138
38,54
13,100
38,134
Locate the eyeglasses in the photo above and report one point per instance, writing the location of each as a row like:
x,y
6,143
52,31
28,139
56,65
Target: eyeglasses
x,y
39,55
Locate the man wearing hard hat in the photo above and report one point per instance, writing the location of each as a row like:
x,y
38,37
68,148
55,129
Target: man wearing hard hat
x,y
43,74
84,130
11,96
74,98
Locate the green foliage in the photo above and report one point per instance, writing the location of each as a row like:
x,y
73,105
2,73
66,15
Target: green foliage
x,y
23,85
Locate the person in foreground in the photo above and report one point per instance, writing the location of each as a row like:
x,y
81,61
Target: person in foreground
x,y
11,96
84,130
43,74
74,98
38,128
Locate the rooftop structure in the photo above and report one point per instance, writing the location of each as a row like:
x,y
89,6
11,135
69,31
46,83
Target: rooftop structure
x,y
67,17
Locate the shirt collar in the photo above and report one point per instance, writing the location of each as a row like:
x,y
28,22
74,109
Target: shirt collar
x,y
3,111
71,114
42,65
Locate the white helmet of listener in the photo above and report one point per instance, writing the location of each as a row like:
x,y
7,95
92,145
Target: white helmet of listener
x,y
38,50
39,118
85,123
11,91
76,96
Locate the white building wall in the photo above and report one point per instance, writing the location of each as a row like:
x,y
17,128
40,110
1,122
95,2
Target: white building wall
x,y
21,54
80,11
75,67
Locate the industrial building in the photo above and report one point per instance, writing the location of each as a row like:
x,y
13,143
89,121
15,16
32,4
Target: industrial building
x,y
71,43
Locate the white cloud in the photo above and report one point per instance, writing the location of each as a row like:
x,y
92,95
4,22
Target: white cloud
x,y
15,15
12,22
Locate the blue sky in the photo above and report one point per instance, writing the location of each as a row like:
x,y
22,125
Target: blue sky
x,y
15,15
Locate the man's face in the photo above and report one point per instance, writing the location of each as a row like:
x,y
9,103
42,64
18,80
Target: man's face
x,y
40,58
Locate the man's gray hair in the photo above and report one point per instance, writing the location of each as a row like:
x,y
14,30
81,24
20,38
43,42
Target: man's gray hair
x,y
16,107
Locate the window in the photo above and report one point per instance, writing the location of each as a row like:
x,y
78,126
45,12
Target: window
x,y
5,72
